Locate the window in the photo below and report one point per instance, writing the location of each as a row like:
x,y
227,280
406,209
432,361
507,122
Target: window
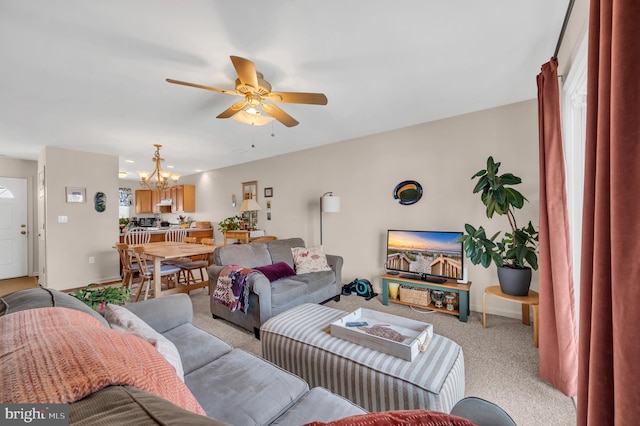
x,y
5,193
574,114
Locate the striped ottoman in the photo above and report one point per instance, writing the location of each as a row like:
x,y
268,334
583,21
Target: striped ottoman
x,y
299,341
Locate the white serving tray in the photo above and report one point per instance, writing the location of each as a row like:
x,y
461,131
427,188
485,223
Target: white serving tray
x,y
418,334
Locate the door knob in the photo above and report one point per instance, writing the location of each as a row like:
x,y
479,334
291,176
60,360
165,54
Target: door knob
x,y
23,232
23,225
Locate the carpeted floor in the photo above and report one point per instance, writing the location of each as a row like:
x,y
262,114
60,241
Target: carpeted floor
x,y
501,364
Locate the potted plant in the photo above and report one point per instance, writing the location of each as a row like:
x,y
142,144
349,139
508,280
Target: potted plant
x,y
123,222
516,249
97,297
230,224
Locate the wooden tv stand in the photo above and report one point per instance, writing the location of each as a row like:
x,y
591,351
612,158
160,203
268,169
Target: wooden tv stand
x,y
450,286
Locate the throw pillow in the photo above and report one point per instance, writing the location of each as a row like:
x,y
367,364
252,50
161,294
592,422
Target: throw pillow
x,y
122,319
60,355
309,259
400,417
276,271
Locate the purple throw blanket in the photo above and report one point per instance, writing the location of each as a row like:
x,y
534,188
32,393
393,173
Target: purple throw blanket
x,y
232,289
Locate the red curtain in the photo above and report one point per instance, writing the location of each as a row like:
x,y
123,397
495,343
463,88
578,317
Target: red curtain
x,y
609,348
558,348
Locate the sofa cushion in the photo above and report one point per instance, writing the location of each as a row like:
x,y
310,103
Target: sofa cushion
x,y
285,290
242,389
316,280
314,407
276,271
247,255
309,259
120,405
197,347
40,297
154,311
400,417
122,319
280,250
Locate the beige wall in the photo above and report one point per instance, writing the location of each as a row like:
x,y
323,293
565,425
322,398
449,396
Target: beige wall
x,y
28,170
574,34
442,156
87,232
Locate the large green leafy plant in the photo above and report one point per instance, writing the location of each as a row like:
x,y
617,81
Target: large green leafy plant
x,y
516,249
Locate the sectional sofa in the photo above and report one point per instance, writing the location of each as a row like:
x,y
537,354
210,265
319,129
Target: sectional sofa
x,y
222,385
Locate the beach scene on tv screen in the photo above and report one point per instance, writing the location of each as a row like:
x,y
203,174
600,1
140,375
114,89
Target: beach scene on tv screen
x,y
433,253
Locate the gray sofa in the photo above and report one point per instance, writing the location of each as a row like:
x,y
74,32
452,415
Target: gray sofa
x,y
268,299
232,386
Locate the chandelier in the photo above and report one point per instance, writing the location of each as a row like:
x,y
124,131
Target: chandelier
x,y
163,178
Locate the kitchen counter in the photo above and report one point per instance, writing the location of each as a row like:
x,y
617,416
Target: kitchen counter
x,y
157,233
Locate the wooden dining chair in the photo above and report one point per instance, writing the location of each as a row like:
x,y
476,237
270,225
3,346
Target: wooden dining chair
x,y
137,235
198,262
208,241
146,272
176,234
129,269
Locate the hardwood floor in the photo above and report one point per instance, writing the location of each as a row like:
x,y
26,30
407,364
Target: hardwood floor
x,y
14,284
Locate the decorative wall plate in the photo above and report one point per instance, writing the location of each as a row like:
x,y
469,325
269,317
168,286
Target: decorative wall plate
x,y
408,192
100,202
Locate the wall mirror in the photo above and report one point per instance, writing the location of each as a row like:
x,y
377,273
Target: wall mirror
x,y
249,191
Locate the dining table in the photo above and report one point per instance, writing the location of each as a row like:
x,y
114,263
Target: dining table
x,y
167,250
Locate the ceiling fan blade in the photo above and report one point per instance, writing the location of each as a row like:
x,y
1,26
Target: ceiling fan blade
x,y
280,115
298,98
199,86
232,109
246,71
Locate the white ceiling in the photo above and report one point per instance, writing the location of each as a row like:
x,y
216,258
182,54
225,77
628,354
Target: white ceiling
x,y
90,75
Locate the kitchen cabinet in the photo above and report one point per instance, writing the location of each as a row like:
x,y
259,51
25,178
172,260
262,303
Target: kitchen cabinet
x,y
144,202
183,200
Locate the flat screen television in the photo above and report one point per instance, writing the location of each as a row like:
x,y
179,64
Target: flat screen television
x,y
427,255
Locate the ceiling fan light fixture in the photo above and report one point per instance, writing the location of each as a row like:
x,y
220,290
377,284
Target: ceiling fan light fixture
x,y
253,88
258,119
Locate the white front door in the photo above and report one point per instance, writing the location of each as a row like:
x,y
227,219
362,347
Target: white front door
x,y
14,232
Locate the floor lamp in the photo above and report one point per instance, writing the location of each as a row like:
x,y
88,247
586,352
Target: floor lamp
x,y
328,204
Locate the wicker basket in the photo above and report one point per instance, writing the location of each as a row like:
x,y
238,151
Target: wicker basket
x,y
415,296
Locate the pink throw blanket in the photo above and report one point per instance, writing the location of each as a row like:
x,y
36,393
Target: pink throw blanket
x,y
60,355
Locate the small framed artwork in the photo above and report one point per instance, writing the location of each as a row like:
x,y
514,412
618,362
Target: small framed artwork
x,y
76,195
268,192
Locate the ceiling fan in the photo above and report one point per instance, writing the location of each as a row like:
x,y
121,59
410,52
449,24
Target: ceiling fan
x,y
255,90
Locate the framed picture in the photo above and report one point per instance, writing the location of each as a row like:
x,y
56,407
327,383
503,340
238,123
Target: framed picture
x,y
268,192
76,195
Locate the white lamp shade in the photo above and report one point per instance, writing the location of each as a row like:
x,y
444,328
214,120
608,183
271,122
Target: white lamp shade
x,y
249,205
330,204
